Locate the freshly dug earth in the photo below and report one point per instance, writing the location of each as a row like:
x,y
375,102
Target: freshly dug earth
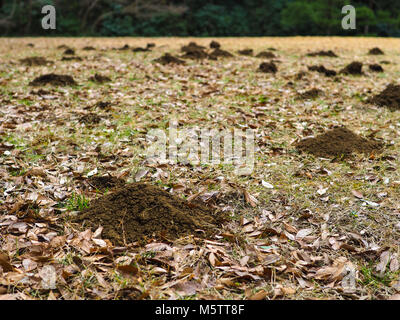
x,y
140,210
390,97
338,142
103,183
376,68
268,67
195,54
90,118
53,79
322,69
169,59
375,51
217,53
328,53
266,54
215,45
192,46
246,52
354,68
311,94
73,58
35,61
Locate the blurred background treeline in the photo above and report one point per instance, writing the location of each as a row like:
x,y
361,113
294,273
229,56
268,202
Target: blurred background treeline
x,y
199,17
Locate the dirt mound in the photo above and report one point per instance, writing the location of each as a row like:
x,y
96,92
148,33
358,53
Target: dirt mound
x,y
311,94
376,51
53,79
89,48
104,105
105,182
354,68
390,97
300,75
69,52
90,118
63,46
74,58
125,47
192,46
140,210
169,59
322,53
98,78
268,67
246,52
215,45
337,143
35,61
376,68
217,53
195,54
266,54
322,69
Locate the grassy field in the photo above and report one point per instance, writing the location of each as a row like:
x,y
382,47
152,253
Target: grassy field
x,y
299,225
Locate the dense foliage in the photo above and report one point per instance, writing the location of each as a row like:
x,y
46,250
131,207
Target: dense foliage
x,y
199,17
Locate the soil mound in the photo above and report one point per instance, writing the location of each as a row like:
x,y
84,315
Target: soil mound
x,y
376,68
192,46
53,79
169,59
35,61
390,97
195,54
311,94
215,45
268,67
148,48
104,183
140,210
69,52
376,51
104,105
125,47
90,118
98,78
300,75
337,143
89,48
354,68
266,54
71,59
322,69
322,53
220,53
246,52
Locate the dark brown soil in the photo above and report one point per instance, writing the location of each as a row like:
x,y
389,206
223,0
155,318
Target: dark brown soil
x,y
376,68
215,45
63,46
192,46
169,59
98,78
354,68
328,53
390,97
35,61
89,48
69,52
300,75
219,53
246,52
90,118
53,79
195,54
139,211
268,67
376,51
148,48
105,183
337,143
74,58
266,54
125,47
104,105
322,69
311,94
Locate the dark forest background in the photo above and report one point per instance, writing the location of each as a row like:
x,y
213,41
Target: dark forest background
x,y
199,17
